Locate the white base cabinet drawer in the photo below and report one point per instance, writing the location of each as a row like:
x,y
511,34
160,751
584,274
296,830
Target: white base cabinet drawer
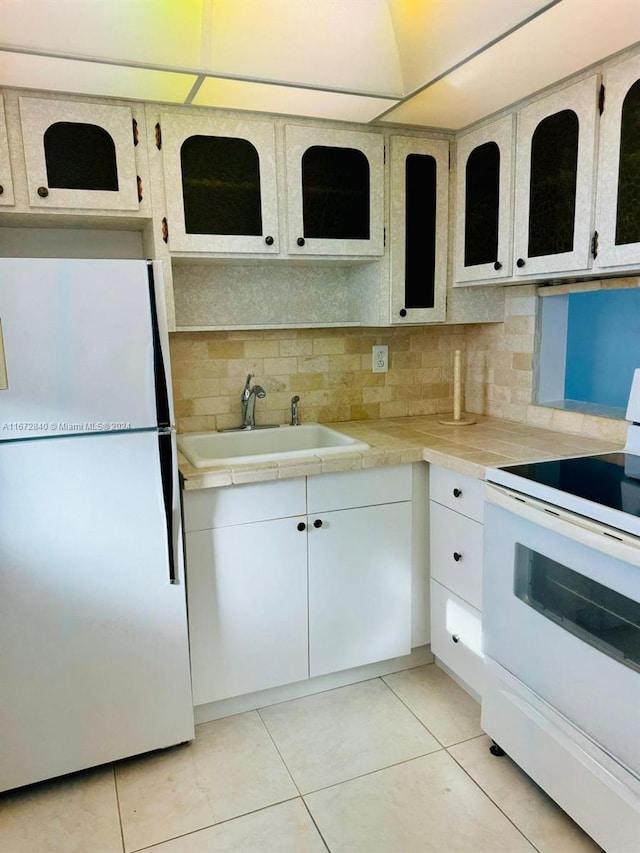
x,y
458,492
456,553
456,636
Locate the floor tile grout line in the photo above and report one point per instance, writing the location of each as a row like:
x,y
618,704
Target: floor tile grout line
x,y
115,786
489,797
214,824
277,749
411,711
316,825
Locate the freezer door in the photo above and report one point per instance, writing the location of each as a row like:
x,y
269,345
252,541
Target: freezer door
x,y
94,662
80,348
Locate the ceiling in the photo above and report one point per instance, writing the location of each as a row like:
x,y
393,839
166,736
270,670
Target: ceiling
x,y
428,63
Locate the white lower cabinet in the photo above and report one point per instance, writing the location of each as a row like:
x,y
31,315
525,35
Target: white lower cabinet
x,y
456,532
324,588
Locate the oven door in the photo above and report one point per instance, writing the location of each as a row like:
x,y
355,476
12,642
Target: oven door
x,y
561,614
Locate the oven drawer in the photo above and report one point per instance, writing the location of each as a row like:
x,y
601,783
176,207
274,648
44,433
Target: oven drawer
x,y
456,636
460,493
456,552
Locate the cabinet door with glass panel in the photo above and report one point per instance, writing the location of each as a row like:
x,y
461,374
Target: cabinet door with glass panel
x,y
335,191
220,181
80,155
484,202
555,171
618,198
419,225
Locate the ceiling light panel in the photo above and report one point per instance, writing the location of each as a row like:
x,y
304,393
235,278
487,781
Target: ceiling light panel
x,y
564,40
435,35
152,32
93,78
333,44
288,100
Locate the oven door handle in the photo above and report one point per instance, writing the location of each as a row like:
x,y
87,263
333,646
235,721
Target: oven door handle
x,y
608,540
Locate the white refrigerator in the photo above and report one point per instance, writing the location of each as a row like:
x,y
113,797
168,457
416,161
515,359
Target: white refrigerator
x,y
94,657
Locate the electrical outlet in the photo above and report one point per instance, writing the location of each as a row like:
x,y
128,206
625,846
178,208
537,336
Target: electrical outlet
x,y
380,359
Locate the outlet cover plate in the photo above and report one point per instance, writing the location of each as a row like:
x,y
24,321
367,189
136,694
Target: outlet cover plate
x,y
380,358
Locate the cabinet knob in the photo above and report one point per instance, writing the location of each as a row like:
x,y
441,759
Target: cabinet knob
x,y
455,638
269,240
317,523
1,189
457,493
43,192
497,265
301,526
520,262
300,241
457,557
403,312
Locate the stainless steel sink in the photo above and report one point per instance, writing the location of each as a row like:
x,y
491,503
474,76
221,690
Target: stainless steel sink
x,y
203,449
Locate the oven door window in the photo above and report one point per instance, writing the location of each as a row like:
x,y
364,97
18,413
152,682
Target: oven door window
x,y
608,621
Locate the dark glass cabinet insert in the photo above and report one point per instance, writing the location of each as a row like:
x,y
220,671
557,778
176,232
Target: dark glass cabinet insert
x,y
552,188
481,206
335,193
80,156
628,207
420,230
221,186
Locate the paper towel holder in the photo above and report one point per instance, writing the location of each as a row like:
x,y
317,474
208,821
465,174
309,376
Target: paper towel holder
x,y
458,418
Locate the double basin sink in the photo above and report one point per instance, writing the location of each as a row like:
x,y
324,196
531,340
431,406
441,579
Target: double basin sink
x,y
271,444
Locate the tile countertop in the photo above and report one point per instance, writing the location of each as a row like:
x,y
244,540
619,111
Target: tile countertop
x,y
395,441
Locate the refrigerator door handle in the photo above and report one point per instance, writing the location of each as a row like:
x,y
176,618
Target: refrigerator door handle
x,y
167,474
162,394
4,379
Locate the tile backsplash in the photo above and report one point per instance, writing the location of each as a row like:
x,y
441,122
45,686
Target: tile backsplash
x,y
330,370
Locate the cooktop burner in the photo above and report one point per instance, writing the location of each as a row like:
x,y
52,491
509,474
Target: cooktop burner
x,y
604,487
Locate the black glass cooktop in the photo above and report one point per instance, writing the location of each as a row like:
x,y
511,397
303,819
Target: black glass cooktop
x,y
610,479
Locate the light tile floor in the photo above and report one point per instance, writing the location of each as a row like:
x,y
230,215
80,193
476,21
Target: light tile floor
x,y
391,765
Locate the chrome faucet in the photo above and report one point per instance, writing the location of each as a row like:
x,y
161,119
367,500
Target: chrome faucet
x,y
248,402
294,410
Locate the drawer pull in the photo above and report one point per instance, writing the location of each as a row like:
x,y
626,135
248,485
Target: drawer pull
x,y
457,493
301,526
455,638
317,523
457,557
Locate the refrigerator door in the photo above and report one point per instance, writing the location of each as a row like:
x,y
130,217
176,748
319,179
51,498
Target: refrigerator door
x,y
82,347
94,659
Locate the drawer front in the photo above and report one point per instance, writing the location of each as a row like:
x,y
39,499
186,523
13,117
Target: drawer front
x,y
220,507
463,494
456,636
456,552
349,489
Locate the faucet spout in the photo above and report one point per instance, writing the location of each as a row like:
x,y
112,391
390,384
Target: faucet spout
x,y
248,402
294,410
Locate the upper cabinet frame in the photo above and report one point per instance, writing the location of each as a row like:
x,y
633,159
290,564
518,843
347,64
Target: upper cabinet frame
x,y
6,183
38,116
580,99
178,129
611,251
500,134
299,140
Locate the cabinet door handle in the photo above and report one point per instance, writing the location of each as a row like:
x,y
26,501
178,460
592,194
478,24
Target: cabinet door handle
x,y
1,189
301,526
457,493
43,192
520,262
300,241
497,265
457,557
269,240
455,638
317,523
403,312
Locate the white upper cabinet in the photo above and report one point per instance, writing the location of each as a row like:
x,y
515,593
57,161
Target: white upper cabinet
x,y
335,191
555,181
419,227
6,184
618,199
80,155
220,182
484,206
